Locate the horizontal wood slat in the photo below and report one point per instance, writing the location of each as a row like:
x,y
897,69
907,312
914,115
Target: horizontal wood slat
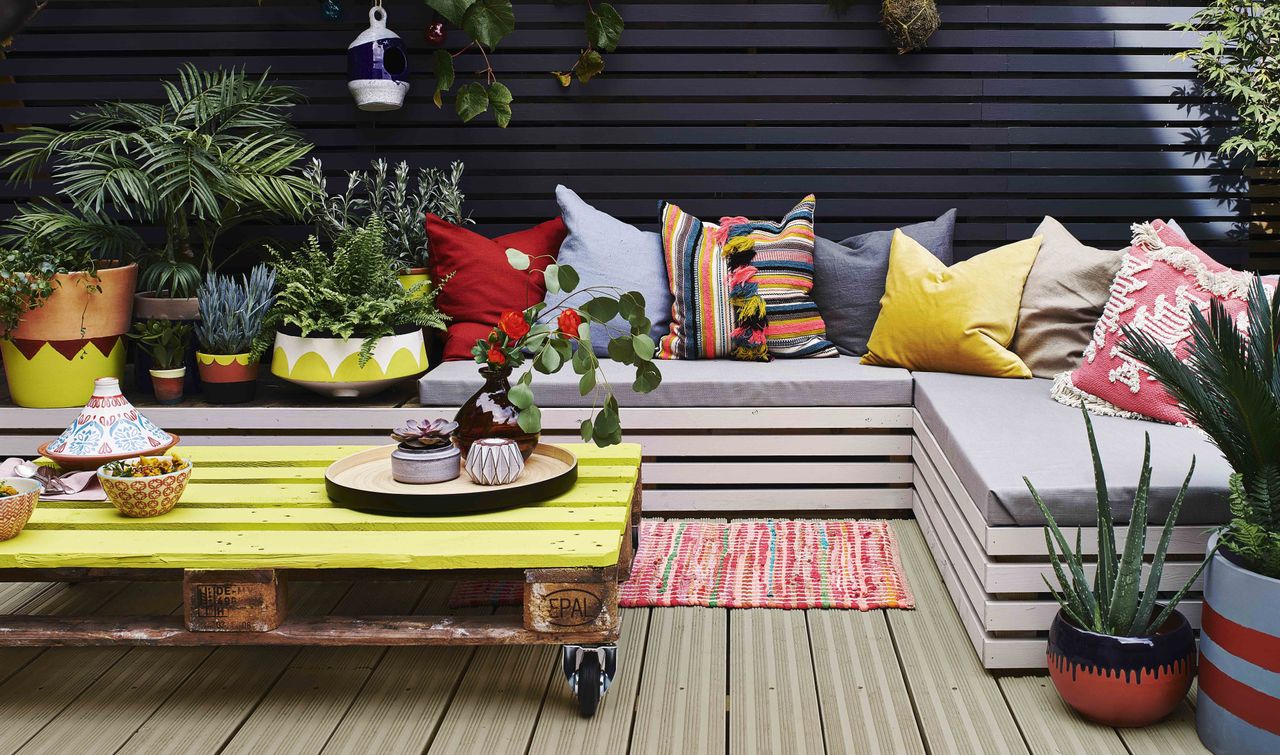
x,y
1012,112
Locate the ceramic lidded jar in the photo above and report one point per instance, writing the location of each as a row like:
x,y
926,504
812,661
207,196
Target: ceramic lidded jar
x,y
108,428
377,66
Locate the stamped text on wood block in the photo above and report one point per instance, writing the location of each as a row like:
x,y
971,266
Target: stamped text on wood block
x,y
571,606
233,600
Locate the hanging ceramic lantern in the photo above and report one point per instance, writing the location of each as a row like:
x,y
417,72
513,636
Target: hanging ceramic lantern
x,y
377,67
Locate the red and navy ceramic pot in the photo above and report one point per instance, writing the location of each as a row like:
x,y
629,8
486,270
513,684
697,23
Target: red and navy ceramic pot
x,y
1122,681
377,66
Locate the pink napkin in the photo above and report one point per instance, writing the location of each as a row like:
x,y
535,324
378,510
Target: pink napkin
x,y
83,486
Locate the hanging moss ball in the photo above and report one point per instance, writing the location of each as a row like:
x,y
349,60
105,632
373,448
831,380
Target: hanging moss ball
x,y
910,23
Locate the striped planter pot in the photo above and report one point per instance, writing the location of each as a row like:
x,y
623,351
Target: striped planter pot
x,y
1238,704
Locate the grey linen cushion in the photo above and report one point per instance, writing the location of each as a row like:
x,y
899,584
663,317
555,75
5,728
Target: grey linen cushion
x,y
848,277
605,251
994,431
1067,288
702,383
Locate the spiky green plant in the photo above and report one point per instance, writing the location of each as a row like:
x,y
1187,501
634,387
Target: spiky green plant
x,y
1228,384
1115,604
219,150
232,310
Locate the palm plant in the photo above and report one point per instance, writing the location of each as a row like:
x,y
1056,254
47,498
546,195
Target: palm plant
x,y
218,151
1114,605
1228,384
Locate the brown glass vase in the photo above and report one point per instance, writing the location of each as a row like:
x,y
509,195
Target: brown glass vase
x,y
490,414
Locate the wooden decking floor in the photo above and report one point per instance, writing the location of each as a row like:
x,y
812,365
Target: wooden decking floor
x,y
693,680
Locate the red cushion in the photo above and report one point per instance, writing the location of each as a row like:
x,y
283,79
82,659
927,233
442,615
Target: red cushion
x,y
483,284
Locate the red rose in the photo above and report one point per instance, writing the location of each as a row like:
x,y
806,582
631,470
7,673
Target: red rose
x,y
513,324
495,356
569,322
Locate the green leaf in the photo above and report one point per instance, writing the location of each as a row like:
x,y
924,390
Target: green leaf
x,y
607,422
500,98
590,64
563,77
521,395
648,378
601,309
582,361
587,384
620,350
472,100
452,10
587,430
568,278
552,276
530,420
518,260
548,360
584,333
604,27
443,65
643,346
489,21
631,305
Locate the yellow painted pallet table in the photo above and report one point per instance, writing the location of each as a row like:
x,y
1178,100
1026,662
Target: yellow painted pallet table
x,y
252,517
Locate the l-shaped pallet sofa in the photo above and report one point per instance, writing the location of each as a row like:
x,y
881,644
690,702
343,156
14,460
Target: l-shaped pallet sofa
x,y
827,436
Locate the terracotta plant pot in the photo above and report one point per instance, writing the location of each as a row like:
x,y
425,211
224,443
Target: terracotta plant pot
x,y
59,348
148,307
168,385
1238,701
489,413
1122,681
331,366
227,378
15,510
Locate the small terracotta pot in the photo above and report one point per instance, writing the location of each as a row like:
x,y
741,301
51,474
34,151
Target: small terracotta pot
x,y
227,378
168,385
1122,681
15,510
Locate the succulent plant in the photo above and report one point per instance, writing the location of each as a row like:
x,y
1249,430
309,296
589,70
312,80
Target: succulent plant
x,y
427,433
1114,605
232,310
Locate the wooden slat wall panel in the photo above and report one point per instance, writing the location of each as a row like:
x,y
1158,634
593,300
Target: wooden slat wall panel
x,y
1015,110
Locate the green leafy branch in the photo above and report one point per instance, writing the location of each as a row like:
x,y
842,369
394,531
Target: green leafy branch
x,y
488,22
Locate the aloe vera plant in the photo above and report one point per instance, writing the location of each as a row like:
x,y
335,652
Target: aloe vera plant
x,y
1115,604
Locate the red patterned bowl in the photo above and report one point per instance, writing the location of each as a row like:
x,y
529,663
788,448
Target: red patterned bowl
x,y
145,496
15,510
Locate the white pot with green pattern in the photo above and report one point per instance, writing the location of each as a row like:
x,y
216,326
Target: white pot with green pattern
x,y
331,366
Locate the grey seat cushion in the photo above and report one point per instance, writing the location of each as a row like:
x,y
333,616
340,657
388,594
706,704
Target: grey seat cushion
x,y
994,431
703,383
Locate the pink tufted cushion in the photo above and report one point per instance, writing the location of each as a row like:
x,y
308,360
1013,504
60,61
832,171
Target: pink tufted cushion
x,y
1162,276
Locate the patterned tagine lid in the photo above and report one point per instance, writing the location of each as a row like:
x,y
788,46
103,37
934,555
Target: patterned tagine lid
x,y
109,428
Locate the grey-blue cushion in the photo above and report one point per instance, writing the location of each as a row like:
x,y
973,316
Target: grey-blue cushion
x,y
848,277
605,251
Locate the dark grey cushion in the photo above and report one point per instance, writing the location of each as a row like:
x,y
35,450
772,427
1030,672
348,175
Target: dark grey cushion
x,y
703,383
848,277
994,431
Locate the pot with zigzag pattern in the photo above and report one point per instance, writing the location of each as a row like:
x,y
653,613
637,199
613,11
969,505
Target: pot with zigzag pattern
x,y
1122,681
331,366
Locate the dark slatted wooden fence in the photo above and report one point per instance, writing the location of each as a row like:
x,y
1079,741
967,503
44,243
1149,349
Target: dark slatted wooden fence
x,y
1013,112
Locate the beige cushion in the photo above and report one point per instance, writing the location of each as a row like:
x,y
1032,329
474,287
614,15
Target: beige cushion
x,y
1065,292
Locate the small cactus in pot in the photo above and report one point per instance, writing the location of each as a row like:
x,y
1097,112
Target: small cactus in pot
x,y
426,452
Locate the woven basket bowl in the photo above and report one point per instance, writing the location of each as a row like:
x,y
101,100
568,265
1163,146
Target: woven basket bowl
x,y
15,510
141,497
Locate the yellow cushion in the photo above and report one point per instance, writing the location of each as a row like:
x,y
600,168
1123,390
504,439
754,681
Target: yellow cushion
x,y
951,319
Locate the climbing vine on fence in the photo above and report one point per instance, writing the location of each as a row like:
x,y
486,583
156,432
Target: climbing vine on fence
x,y
488,22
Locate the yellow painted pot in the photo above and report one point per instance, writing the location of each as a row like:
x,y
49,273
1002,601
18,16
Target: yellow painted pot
x,y
413,276
331,366
59,348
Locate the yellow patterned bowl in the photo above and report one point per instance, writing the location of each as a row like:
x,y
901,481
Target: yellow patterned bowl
x,y
145,496
15,510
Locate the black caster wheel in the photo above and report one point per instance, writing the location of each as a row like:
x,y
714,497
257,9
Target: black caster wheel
x,y
589,671
588,691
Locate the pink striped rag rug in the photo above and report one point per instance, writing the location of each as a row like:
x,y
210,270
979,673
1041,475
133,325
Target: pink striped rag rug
x,y
774,563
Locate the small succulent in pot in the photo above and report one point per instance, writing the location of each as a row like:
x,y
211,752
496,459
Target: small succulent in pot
x,y
426,453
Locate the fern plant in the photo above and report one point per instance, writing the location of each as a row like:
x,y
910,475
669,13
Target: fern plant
x,y
232,310
401,197
349,292
1115,604
217,151
1228,384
